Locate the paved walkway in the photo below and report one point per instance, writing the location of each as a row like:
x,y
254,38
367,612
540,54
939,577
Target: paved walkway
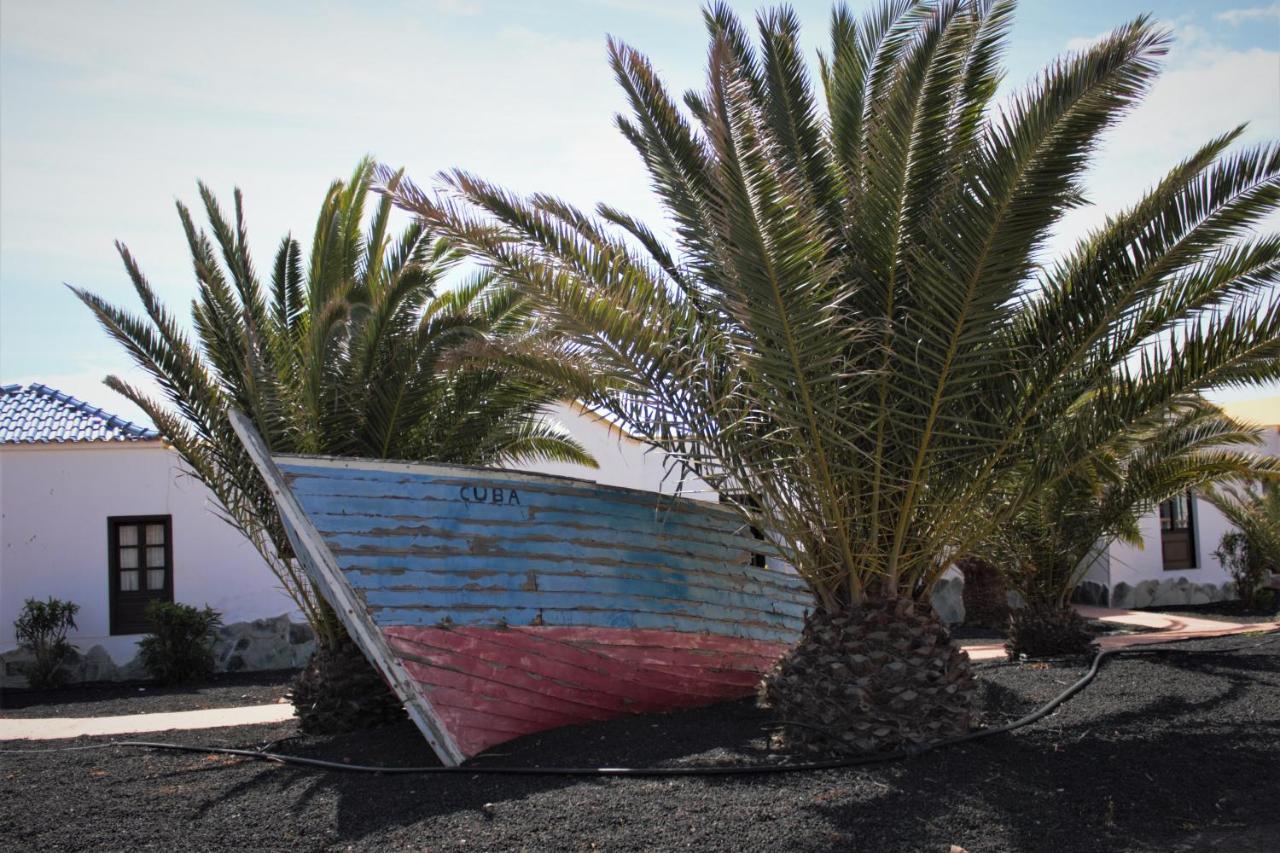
x,y
1167,627
212,718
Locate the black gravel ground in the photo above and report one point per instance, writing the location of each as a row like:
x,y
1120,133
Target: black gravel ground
x,y
1172,753
223,690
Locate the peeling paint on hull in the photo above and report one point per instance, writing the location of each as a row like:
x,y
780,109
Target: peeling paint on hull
x,y
499,604
492,685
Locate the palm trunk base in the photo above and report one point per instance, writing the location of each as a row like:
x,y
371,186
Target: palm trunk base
x,y
880,678
986,596
340,691
1047,630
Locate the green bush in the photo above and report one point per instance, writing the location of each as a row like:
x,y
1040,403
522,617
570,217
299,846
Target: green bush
x,y
1246,566
42,630
180,648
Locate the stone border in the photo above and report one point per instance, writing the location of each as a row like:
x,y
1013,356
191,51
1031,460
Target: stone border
x,y
258,644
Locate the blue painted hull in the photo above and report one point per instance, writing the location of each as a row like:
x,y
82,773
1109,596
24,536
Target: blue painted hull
x,y
498,603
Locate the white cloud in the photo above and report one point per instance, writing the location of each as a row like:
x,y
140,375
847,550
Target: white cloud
x,y
1235,17
110,112
1205,91
1085,42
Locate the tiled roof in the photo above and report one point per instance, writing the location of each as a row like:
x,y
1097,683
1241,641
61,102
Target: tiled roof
x,y
39,414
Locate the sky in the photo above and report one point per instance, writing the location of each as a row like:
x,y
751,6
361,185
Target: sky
x,y
111,111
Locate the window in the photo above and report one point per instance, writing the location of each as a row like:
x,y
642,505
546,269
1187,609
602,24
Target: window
x,y
141,568
1177,533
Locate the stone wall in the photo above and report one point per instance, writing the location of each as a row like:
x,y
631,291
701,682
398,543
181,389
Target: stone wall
x,y
1168,592
948,600
948,595
263,644
259,644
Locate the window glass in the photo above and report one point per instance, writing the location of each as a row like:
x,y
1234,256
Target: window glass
x,y
1175,514
140,569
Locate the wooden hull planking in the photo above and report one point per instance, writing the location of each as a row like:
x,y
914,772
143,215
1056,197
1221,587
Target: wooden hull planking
x,y
499,604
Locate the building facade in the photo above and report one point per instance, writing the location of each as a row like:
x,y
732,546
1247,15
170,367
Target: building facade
x,y
1175,562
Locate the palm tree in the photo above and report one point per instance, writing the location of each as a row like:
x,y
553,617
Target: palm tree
x,y
1251,552
856,326
1049,547
358,353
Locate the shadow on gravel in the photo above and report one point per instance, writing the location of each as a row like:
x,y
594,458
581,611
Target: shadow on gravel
x,y
1171,773
1169,753
1080,794
371,804
1001,705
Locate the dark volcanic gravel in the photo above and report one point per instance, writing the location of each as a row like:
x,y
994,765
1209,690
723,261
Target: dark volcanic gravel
x,y
224,690
1169,753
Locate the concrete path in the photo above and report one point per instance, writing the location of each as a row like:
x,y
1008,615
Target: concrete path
x,y
212,718
1168,627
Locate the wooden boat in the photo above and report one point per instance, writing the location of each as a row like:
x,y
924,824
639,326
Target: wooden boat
x,y
499,603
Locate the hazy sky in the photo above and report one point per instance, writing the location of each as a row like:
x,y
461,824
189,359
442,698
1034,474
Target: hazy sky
x,y
109,111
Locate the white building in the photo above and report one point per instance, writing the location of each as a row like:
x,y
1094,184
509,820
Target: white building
x,y
1175,564
99,511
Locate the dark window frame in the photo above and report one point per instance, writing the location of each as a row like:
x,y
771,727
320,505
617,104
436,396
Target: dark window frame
x,y
1190,532
114,523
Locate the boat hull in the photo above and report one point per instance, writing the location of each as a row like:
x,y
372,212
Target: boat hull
x,y
498,604
490,685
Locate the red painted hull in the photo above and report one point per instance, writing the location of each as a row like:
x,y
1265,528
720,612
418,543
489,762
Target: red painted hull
x,y
490,685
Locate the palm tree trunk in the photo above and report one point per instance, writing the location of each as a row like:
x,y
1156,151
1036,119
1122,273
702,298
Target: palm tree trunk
x,y
880,677
340,690
986,596
1043,629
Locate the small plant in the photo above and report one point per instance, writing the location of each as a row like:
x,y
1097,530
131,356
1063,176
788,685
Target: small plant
x,y
1244,565
1251,552
42,630
180,649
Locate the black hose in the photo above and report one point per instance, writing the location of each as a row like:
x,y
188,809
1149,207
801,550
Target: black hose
x,y
725,770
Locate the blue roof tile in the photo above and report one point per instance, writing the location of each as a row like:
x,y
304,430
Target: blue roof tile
x,y
39,414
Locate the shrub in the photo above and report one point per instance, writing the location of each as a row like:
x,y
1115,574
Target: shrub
x,y
180,649
42,630
1245,565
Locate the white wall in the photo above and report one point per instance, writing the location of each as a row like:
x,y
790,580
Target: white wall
x,y
624,461
54,504
1132,565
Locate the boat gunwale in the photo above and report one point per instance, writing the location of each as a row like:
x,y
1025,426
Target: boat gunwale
x,y
439,468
